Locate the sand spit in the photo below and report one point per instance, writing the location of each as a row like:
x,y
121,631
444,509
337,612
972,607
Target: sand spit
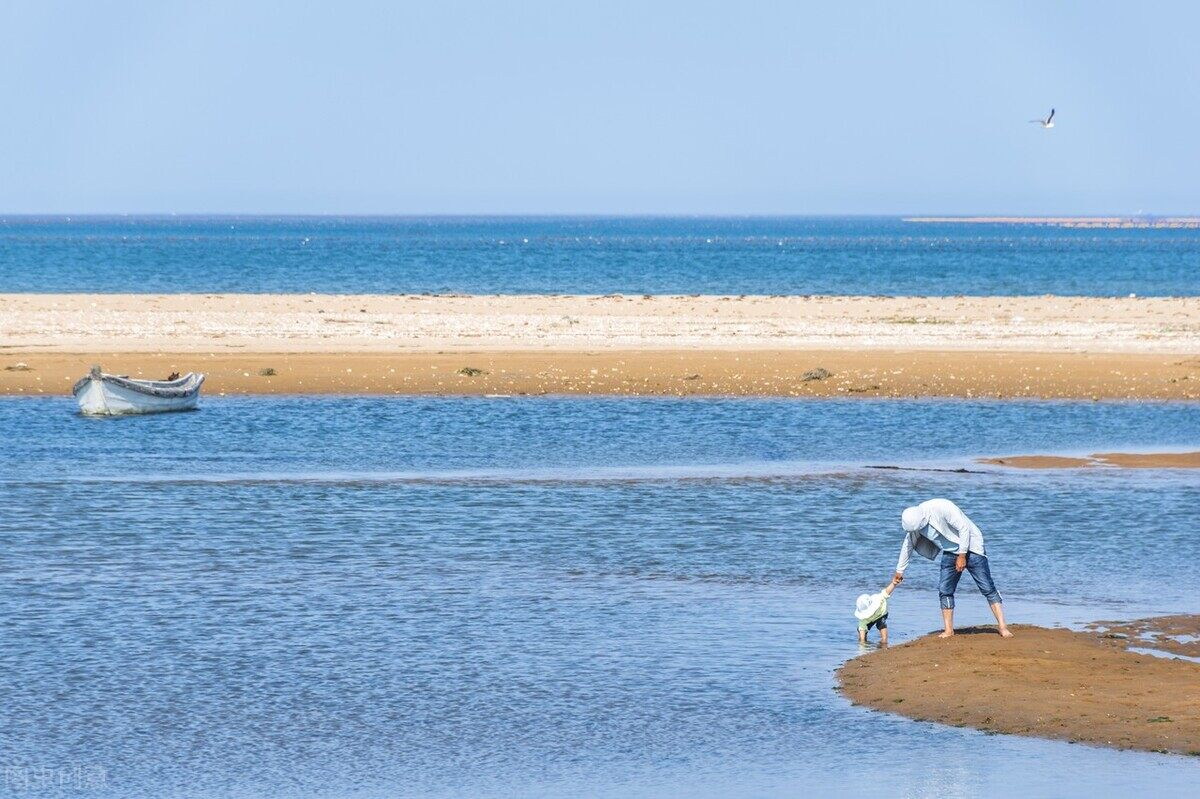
x,y
1124,460
1083,687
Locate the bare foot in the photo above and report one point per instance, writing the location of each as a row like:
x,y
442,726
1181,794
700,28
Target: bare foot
x,y
949,633
1005,633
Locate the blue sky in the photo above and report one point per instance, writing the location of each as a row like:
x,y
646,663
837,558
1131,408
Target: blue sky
x,y
605,107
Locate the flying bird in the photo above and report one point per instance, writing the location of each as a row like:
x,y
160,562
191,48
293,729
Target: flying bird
x,y
1046,123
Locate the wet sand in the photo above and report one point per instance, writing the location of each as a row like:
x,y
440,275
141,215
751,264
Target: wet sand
x,y
1179,635
1050,683
1000,347
777,373
1125,460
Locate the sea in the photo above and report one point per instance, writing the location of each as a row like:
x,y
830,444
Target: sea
x,y
345,597
589,255
546,597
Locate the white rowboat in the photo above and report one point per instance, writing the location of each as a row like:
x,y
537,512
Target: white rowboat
x,y
101,394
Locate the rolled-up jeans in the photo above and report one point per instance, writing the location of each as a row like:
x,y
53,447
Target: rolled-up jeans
x,y
977,565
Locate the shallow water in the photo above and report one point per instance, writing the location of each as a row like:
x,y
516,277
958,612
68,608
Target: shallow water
x,y
538,255
328,597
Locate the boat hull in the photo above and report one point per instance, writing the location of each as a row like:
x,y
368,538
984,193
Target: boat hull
x,y
99,396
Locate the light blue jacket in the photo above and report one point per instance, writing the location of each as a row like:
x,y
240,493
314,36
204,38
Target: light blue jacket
x,y
941,517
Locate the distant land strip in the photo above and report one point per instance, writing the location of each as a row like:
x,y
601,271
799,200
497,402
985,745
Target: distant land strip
x,y
1133,222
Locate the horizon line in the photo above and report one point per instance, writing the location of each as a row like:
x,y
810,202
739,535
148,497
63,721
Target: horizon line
x,y
914,216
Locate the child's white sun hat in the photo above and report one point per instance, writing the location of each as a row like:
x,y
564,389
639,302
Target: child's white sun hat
x,y
867,606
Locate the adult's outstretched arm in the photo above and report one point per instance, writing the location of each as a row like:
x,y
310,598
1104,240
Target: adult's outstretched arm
x,y
906,549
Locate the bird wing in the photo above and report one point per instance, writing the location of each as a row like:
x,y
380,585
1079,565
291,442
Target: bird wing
x,y
1051,115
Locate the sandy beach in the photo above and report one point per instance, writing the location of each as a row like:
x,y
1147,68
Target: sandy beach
x,y
1002,347
1085,687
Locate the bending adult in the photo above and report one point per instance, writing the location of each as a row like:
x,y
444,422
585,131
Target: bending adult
x,y
938,528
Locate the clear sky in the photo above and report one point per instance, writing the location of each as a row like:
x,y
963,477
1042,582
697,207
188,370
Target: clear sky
x,y
599,107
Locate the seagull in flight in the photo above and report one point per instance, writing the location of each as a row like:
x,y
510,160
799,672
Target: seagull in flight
x,y
1046,123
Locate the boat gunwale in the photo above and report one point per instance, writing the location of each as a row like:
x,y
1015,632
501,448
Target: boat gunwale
x,y
180,388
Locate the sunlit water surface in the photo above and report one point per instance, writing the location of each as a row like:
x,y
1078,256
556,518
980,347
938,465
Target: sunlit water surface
x,y
337,597
588,255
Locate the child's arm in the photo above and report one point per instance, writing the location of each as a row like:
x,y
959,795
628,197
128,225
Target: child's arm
x,y
890,587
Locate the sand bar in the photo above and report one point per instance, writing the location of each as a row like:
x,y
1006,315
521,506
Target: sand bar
x,y
1124,460
1076,686
1068,347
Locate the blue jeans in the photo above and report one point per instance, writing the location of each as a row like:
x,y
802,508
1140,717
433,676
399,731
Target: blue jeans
x,y
977,565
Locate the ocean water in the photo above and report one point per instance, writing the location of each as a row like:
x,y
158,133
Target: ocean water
x,y
588,256
390,597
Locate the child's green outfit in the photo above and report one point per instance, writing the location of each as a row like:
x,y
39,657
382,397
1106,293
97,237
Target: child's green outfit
x,y
873,616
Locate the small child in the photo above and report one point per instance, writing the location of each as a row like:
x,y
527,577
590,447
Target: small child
x,y
871,611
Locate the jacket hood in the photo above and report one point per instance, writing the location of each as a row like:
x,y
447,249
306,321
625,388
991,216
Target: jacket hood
x,y
913,519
